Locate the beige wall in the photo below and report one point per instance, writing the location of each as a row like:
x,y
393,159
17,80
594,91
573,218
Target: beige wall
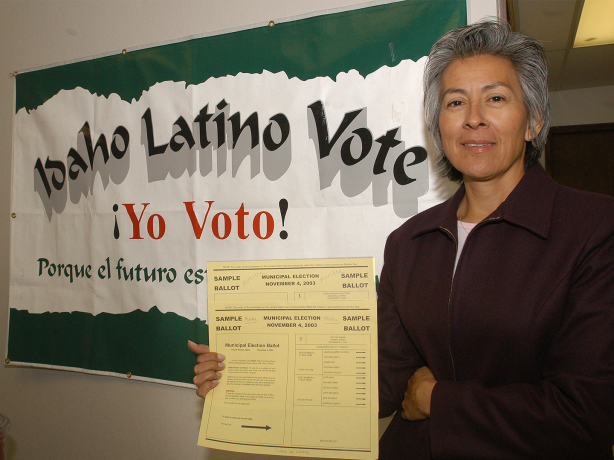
x,y
582,106
66,415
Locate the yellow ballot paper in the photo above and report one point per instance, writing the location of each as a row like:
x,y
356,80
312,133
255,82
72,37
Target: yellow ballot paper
x,y
300,340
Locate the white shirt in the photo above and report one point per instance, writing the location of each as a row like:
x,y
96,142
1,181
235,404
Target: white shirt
x,y
464,228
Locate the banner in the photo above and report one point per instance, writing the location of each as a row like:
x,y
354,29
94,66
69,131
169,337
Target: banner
x,y
301,139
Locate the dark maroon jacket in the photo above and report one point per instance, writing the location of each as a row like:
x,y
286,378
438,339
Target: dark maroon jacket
x,y
520,339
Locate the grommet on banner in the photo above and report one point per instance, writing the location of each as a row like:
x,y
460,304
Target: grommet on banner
x,y
7,361
124,51
128,374
271,23
13,215
13,74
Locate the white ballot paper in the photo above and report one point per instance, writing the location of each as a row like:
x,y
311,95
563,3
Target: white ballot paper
x,y
300,340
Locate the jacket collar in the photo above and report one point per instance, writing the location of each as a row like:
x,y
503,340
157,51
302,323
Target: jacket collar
x,y
528,206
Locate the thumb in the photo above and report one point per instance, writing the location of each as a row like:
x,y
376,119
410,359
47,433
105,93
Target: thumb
x,y
197,348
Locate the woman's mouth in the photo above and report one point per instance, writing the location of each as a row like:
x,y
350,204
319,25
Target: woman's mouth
x,y
477,144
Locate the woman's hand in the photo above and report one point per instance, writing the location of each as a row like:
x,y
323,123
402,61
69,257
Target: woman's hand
x,y
208,367
417,402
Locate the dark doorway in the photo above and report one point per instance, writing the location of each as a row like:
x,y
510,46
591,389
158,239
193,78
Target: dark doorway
x,y
582,157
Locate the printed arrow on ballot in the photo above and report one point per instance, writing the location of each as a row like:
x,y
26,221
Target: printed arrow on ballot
x,y
267,427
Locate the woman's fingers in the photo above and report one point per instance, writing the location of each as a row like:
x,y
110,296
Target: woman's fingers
x,y
207,371
206,387
208,367
417,399
210,357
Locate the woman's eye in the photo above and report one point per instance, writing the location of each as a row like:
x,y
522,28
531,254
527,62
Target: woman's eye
x,y
454,103
497,98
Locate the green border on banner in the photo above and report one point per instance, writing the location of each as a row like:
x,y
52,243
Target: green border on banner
x,y
364,39
149,343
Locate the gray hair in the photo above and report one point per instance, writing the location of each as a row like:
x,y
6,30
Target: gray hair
x,y
497,39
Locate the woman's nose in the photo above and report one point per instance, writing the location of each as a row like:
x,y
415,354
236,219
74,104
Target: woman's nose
x,y
475,117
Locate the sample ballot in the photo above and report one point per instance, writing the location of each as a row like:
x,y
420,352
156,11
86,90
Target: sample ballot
x,y
300,340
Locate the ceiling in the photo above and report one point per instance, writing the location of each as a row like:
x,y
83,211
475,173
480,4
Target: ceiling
x,y
554,23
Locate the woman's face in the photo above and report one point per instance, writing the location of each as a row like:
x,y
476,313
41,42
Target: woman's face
x,y
483,120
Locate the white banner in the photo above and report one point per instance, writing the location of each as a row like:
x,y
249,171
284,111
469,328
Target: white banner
x,y
119,205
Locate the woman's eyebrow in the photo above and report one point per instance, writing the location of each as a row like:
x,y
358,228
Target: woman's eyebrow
x,y
495,85
454,90
488,87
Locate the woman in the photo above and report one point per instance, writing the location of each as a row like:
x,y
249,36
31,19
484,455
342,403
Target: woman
x,y
495,308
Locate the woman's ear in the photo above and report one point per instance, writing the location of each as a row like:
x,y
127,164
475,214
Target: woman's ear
x,y
531,134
